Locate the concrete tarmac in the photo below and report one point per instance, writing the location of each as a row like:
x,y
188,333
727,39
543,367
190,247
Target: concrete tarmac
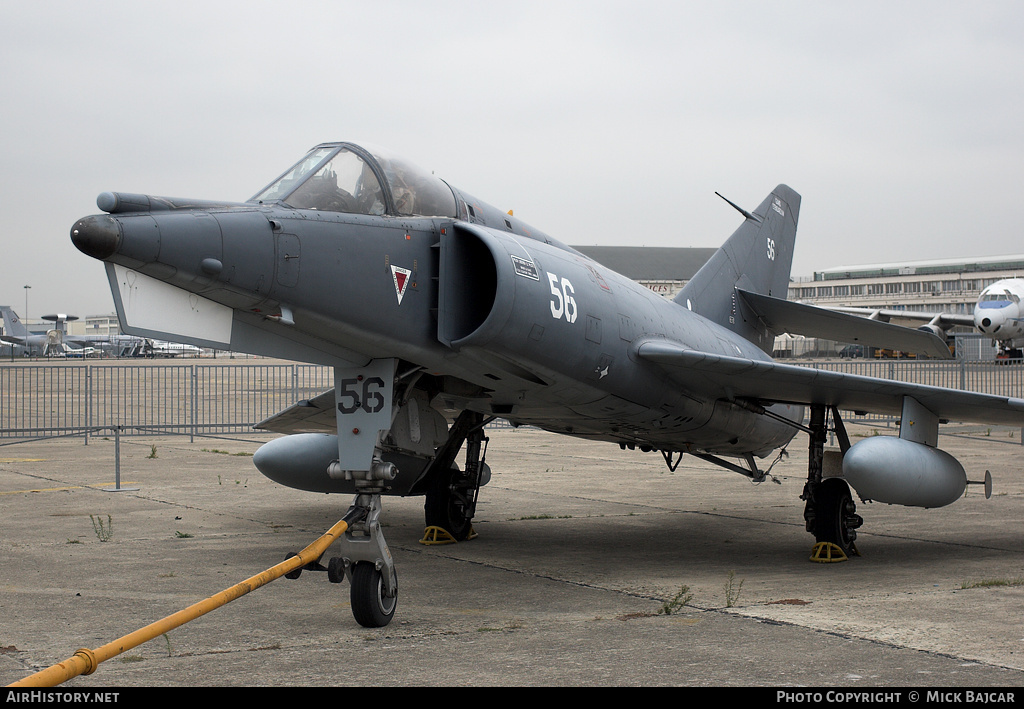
x,y
580,548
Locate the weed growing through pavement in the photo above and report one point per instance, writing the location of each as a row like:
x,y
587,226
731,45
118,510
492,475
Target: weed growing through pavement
x,y
732,591
677,602
104,532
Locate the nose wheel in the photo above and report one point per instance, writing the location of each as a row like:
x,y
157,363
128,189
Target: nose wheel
x,y
372,607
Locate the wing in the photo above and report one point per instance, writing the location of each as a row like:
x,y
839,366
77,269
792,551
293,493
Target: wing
x,y
739,378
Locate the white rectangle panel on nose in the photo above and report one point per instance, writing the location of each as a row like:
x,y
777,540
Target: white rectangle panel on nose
x,y
150,308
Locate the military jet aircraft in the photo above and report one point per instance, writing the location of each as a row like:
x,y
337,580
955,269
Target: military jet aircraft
x,y
440,313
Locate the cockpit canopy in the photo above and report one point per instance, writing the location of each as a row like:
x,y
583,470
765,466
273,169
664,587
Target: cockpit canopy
x,y
343,177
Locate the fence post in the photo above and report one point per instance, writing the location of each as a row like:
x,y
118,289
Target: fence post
x,y
88,401
117,463
192,434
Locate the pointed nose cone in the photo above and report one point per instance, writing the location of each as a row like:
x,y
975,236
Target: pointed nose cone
x,y
98,236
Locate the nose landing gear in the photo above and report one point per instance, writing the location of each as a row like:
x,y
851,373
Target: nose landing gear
x,y
366,563
368,566
365,399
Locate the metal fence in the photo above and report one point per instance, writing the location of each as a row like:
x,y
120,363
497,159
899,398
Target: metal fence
x,y
197,399
194,399
1001,377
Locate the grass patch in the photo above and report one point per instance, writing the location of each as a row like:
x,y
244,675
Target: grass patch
x,y
217,450
991,583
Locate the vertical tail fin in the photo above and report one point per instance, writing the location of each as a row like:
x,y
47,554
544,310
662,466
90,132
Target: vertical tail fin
x,y
757,257
12,325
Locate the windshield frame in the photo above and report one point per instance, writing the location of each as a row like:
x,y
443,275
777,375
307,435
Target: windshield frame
x,y
382,164
329,153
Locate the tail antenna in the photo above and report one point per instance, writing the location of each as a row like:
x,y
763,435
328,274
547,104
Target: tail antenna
x,y
740,209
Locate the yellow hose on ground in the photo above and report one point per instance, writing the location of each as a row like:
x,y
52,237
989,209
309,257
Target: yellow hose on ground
x,y
85,661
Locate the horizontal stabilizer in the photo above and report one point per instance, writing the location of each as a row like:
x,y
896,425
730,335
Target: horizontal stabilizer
x,y
810,321
769,381
942,320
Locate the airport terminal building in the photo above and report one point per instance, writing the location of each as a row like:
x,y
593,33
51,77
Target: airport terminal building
x,y
951,285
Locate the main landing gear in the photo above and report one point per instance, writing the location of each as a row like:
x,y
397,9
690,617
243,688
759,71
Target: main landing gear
x,y
830,512
451,494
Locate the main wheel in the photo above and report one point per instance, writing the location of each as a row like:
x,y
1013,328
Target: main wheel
x,y
370,606
448,505
836,519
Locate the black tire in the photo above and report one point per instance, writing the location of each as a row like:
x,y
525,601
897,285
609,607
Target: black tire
x,y
370,607
442,508
336,569
836,520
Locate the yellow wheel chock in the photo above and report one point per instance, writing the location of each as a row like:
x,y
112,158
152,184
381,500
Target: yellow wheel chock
x,y
829,553
437,535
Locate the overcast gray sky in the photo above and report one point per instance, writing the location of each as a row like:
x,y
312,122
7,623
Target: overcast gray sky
x,y
597,122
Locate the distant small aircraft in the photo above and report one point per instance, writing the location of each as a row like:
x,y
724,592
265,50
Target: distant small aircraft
x,y
51,344
58,343
162,348
440,313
